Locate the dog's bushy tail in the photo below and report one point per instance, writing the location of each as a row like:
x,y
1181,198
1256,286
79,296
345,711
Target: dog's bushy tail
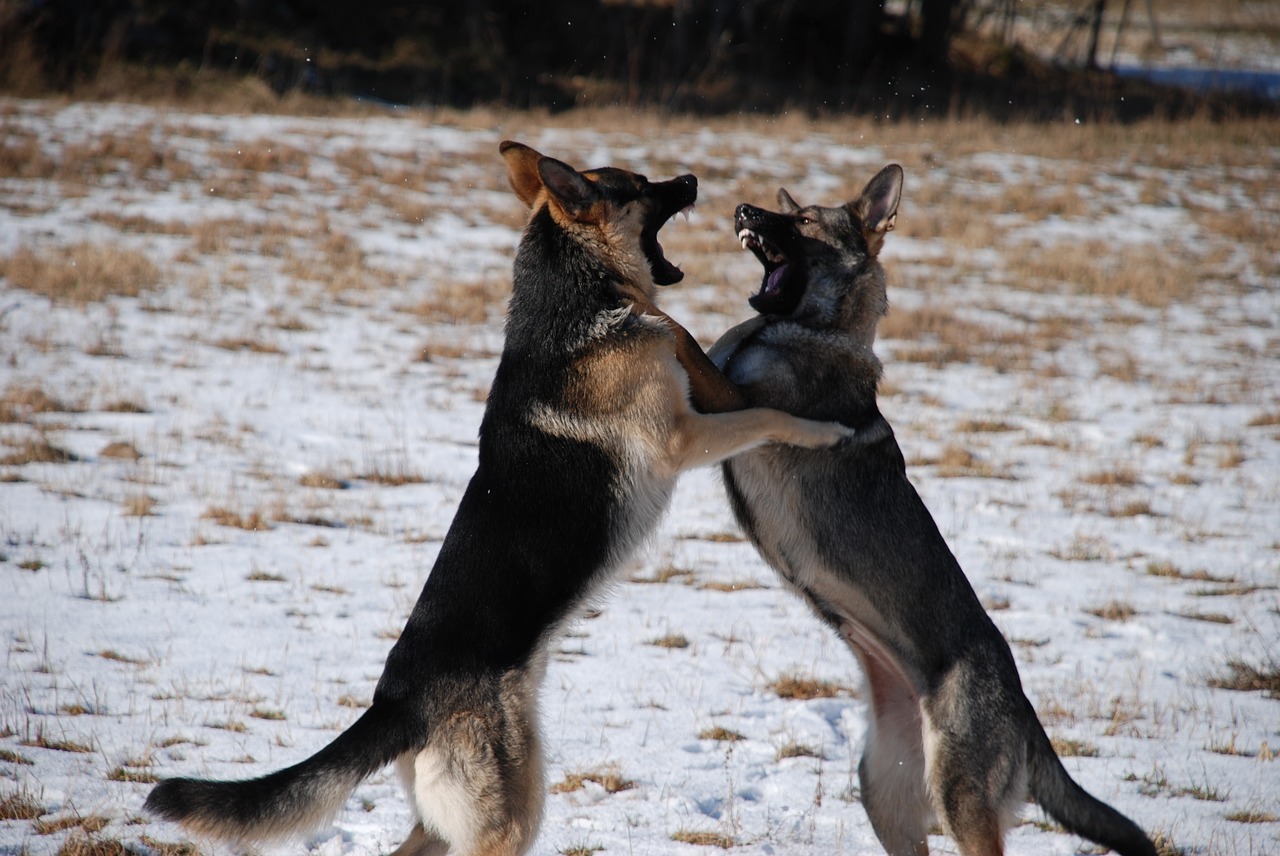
x,y
1073,806
291,801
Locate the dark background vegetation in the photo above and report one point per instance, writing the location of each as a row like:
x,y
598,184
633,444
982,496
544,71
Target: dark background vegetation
x,y
697,56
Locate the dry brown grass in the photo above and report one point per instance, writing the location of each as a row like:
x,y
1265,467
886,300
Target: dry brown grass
x,y
252,344
720,734
133,776
1066,747
266,156
43,741
463,302
37,450
8,756
581,850
666,574
120,450
393,472
1114,611
254,520
323,480
89,845
1152,276
91,824
607,777
797,750
1244,677
1171,571
704,839
19,402
1122,475
140,505
81,273
802,688
20,805
731,585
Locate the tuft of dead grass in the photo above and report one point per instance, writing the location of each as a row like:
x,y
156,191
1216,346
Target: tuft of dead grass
x,y
607,777
253,521
721,734
121,451
1114,611
81,273
20,806
38,450
90,845
131,775
20,402
1066,747
1119,476
1245,677
802,688
797,750
8,756
91,824
704,839
167,848
140,505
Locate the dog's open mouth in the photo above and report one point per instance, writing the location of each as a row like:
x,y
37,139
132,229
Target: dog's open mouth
x,y
779,289
676,196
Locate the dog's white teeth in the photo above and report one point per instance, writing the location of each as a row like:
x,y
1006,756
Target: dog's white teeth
x,y
746,242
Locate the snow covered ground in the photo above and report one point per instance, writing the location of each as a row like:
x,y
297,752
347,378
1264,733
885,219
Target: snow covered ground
x,y
220,496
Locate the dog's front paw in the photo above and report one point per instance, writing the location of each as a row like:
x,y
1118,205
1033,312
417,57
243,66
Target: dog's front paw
x,y
823,435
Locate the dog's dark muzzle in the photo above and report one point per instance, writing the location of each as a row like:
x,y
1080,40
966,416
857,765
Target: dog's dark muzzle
x,y
745,215
670,198
677,194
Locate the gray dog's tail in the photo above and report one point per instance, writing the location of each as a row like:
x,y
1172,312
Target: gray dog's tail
x,y
291,801
1073,807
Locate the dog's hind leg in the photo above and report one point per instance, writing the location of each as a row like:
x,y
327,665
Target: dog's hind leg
x,y
422,843
976,756
477,784
892,769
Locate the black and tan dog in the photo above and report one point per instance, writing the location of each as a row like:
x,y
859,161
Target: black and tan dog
x,y
587,425
950,732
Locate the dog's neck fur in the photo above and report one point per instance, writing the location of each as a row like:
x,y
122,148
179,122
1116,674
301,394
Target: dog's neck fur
x,y
538,319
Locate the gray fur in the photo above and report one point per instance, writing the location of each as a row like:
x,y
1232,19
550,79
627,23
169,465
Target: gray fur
x,y
951,733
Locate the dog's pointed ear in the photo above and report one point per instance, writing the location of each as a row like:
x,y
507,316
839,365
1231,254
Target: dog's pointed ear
x,y
522,170
877,207
786,203
575,193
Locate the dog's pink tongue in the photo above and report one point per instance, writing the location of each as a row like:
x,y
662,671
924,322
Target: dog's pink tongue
x,y
773,283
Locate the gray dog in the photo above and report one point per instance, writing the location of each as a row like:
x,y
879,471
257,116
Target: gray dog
x,y
951,733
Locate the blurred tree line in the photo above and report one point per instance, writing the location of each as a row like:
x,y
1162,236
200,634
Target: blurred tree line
x,y
698,55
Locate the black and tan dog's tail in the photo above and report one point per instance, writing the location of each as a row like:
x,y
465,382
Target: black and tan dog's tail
x,y
289,802
1073,806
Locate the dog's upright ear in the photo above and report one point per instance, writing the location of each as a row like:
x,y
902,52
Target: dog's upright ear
x,y
575,193
877,207
786,204
522,170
